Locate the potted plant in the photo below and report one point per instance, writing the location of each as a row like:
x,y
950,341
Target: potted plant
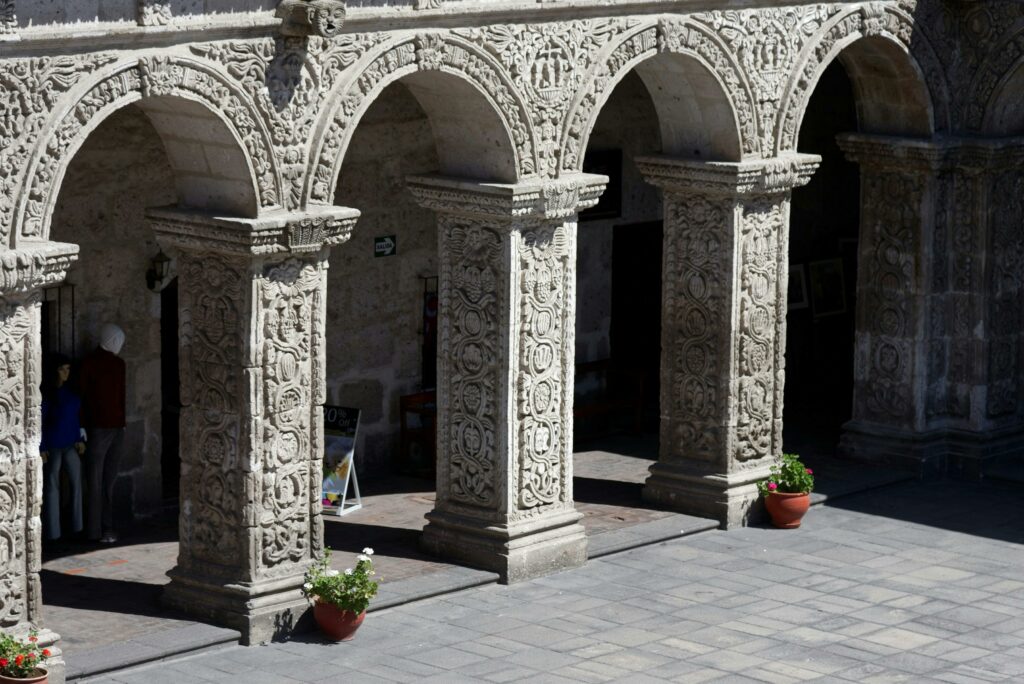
x,y
787,491
340,598
21,662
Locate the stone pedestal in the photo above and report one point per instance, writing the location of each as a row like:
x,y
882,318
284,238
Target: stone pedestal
x,y
723,329
505,373
252,386
939,307
24,272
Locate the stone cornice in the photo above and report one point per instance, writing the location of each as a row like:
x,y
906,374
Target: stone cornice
x,y
549,200
890,152
274,233
35,265
760,177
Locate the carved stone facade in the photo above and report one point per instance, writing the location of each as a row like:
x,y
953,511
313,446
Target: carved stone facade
x,y
937,374
507,317
252,386
256,126
723,329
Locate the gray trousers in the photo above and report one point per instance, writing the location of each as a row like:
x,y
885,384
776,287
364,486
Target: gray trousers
x,y
102,459
61,458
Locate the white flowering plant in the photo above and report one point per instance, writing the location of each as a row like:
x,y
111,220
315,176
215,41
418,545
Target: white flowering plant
x,y
348,590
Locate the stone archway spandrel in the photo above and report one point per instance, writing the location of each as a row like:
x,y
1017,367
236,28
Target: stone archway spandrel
x,y
682,36
78,114
836,32
354,90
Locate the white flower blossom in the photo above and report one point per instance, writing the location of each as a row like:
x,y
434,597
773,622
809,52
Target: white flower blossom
x,y
368,551
332,573
362,557
348,571
307,586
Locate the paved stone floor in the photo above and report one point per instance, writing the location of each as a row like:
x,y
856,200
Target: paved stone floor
x,y
100,596
910,583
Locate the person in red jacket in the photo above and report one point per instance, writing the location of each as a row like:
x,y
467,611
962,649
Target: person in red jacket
x,y
102,384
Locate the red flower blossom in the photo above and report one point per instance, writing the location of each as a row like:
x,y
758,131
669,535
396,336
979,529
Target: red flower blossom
x,y
18,659
33,639
46,653
809,471
4,662
772,486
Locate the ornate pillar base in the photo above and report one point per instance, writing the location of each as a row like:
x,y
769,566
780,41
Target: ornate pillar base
x,y
963,454
261,611
252,386
517,551
731,499
505,365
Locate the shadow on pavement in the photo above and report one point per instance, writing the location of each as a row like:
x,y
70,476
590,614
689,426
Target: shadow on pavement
x,y
106,594
985,509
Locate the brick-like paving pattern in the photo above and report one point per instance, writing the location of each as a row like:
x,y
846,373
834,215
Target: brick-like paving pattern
x,y
914,582
100,596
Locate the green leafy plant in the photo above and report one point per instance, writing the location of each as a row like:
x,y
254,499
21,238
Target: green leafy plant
x,y
348,590
21,659
788,475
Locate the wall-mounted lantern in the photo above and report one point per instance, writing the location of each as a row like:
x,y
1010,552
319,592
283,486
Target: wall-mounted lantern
x,y
159,271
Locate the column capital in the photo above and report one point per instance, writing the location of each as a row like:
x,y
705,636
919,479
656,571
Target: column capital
x,y
892,152
35,265
730,179
530,201
274,233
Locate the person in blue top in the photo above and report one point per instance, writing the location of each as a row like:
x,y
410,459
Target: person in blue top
x,y
62,446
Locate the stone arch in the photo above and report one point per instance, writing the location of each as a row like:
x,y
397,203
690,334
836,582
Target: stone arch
x,y
1003,113
899,83
696,85
222,158
455,83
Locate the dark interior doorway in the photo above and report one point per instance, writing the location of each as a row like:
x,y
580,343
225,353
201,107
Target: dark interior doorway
x,y
170,391
824,227
635,328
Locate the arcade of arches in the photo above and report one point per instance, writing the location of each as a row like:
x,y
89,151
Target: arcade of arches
x,y
838,189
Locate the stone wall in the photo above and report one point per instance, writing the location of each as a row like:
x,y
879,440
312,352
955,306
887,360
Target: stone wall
x,y
375,305
120,172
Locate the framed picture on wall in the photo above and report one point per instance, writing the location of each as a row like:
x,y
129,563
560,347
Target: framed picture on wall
x,y
828,289
796,297
607,163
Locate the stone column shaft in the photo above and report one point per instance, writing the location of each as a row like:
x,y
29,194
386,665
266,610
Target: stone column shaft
x,y
252,386
937,366
505,373
723,329
23,275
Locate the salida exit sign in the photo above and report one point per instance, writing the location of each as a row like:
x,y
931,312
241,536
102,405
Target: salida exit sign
x,y
385,246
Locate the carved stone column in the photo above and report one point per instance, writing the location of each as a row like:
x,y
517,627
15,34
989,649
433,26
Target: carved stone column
x,y
251,332
723,329
938,365
505,380
23,274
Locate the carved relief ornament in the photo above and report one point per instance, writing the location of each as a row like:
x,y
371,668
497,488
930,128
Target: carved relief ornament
x,y
323,18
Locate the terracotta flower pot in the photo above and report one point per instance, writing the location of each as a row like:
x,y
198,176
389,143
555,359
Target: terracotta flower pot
x,y
786,508
337,624
40,677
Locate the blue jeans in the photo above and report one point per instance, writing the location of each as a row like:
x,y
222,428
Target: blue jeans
x,y
58,458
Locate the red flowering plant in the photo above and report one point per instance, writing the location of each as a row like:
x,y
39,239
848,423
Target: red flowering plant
x,y
788,475
21,659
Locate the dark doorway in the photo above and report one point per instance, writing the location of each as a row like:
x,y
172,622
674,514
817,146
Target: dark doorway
x,y
824,227
635,328
170,410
